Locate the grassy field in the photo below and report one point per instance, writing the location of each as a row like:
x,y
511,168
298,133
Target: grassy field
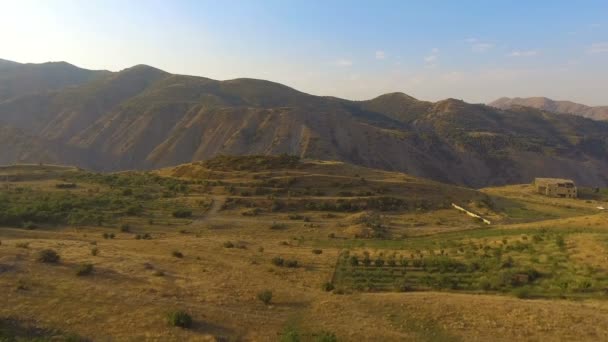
x,y
278,249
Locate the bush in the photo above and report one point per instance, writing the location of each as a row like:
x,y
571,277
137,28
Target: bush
x,y
84,269
25,245
94,251
292,263
328,286
179,319
277,226
265,296
125,228
108,235
182,213
29,225
228,244
278,261
48,256
326,336
177,254
317,251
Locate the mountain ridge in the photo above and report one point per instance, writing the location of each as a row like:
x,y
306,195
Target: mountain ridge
x,y
555,106
145,118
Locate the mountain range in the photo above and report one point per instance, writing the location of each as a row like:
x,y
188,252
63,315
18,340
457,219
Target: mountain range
x,y
144,118
563,107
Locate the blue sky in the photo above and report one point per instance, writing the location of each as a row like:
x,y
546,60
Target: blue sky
x,y
472,50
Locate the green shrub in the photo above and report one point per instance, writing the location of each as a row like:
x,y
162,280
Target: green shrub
x,y
326,336
182,213
278,261
29,225
228,244
265,296
177,254
292,263
277,226
84,269
290,335
125,228
317,251
328,286
48,256
179,319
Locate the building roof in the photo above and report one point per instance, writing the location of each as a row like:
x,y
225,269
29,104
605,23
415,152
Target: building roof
x,y
552,180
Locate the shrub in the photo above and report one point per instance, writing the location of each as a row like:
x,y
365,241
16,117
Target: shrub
x,y
94,251
228,244
291,263
48,256
84,269
328,286
278,261
158,273
125,228
277,226
317,251
353,260
177,254
29,225
290,335
23,245
326,336
265,296
182,213
179,319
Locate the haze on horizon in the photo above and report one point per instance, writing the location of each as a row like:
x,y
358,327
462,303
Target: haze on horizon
x,y
472,50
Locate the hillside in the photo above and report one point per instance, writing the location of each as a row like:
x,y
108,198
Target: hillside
x,y
265,248
145,118
564,107
18,79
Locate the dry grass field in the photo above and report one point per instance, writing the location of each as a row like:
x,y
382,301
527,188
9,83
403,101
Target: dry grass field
x,y
209,238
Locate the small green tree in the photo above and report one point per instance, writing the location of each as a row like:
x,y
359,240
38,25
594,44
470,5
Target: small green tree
x,y
179,319
265,296
48,256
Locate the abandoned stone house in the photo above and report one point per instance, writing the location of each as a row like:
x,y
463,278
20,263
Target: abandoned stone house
x,y
555,187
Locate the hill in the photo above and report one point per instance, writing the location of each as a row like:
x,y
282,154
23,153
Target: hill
x,y
564,107
145,118
271,247
18,79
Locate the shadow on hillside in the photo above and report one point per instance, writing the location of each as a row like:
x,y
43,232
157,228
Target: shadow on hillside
x,y
15,330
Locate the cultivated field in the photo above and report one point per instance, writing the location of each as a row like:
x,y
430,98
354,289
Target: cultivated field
x,y
274,248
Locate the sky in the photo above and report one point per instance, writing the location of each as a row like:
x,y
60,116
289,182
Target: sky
x,y
473,50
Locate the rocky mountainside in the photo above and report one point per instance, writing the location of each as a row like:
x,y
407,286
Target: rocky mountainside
x,y
563,107
143,118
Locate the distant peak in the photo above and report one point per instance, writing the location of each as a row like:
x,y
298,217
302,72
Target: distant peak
x,y
396,95
140,67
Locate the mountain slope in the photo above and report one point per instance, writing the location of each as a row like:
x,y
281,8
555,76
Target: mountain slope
x,y
564,107
143,118
18,79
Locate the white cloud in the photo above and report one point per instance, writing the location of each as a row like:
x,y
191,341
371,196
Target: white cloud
x,y
481,47
477,45
344,62
598,48
525,53
430,59
380,54
435,50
